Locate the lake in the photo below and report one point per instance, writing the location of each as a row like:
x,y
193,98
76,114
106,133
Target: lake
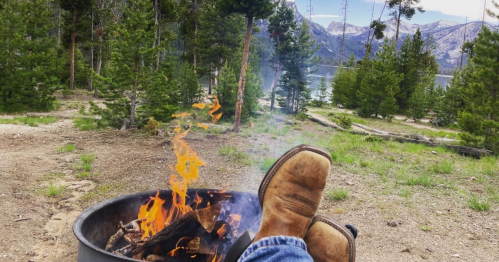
x,y
326,72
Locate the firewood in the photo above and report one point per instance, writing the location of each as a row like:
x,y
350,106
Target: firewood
x,y
209,244
192,224
132,227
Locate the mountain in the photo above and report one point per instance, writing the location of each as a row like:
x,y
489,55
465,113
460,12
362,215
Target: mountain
x,y
330,45
448,35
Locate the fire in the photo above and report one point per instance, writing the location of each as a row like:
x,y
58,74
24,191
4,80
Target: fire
x,y
155,216
199,106
213,108
203,126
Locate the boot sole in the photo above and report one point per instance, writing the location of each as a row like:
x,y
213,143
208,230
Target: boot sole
x,y
275,167
343,230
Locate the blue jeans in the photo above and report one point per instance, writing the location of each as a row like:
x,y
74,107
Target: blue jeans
x,y
278,249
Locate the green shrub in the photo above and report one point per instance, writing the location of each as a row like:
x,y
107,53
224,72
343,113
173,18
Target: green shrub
x,y
267,164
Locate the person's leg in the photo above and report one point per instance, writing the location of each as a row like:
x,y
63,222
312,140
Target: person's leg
x,y
277,248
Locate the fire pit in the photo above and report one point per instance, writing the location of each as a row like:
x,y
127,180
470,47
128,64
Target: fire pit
x,y
96,225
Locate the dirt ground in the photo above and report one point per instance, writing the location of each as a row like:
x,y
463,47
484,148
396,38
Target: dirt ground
x,y
128,162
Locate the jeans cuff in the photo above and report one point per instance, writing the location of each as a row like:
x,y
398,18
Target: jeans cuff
x,y
274,241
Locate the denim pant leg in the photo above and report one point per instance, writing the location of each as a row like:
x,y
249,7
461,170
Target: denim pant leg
x,y
278,249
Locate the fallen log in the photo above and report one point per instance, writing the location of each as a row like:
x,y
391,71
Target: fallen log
x,y
463,150
192,224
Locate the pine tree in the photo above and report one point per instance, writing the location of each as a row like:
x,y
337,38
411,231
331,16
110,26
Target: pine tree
x,y
190,90
27,80
379,85
322,93
252,9
344,85
403,8
128,75
218,40
281,24
480,118
77,22
452,102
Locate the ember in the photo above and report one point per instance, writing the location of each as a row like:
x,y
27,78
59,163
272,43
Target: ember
x,y
184,227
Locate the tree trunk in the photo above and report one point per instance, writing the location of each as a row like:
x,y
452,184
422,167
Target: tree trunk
x,y
134,91
156,24
159,42
209,85
91,78
242,76
72,56
59,27
274,87
398,29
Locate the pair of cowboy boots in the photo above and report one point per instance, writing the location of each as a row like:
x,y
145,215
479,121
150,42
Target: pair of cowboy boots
x,y
290,195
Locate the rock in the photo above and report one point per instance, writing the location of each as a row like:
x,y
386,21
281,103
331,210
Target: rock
x,y
434,152
473,179
430,249
392,224
407,250
456,255
439,212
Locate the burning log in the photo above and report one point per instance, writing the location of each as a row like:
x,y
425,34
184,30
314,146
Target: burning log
x,y
130,228
194,258
192,224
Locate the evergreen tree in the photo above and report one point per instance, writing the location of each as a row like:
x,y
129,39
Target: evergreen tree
x,y
251,9
77,22
218,40
322,93
403,8
344,85
190,90
452,102
128,74
280,25
27,80
379,85
480,117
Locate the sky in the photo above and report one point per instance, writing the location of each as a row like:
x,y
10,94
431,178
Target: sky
x,y
360,11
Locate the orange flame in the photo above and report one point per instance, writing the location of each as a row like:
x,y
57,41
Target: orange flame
x,y
182,115
213,108
203,126
152,218
222,231
199,105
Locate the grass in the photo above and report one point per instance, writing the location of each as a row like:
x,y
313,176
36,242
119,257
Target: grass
x,y
421,180
85,124
30,121
66,148
477,204
405,192
338,194
51,190
234,154
266,164
443,167
86,166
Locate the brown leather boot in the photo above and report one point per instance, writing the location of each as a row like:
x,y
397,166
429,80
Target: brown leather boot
x,y
329,241
291,192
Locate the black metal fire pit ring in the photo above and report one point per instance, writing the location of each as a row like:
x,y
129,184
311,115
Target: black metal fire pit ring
x,y
92,222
